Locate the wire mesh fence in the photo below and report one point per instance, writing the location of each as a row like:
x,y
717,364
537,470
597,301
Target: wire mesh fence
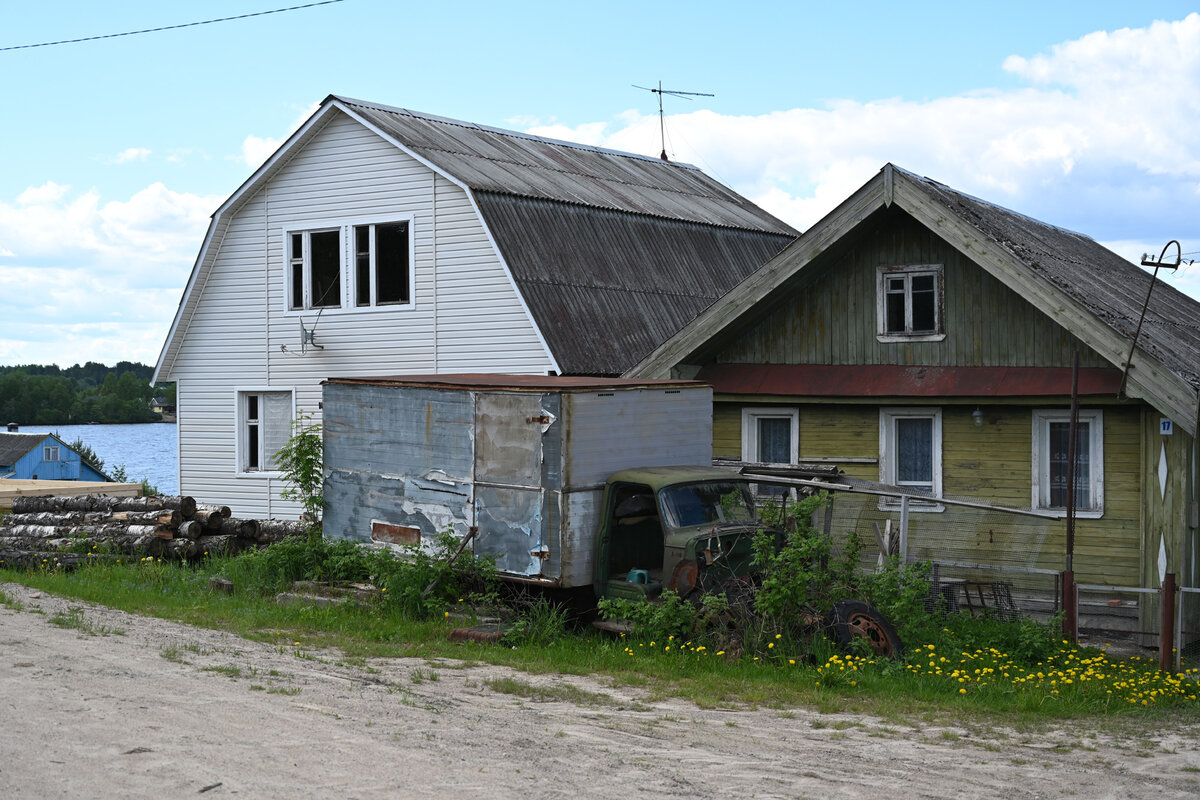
x,y
1187,637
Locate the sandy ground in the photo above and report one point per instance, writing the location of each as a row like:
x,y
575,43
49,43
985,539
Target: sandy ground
x,y
114,705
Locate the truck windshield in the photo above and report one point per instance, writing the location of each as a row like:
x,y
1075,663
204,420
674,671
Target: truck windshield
x,y
705,503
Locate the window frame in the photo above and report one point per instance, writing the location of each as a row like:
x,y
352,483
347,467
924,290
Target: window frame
x,y
750,418
1040,467
241,432
347,264
51,453
908,272
888,450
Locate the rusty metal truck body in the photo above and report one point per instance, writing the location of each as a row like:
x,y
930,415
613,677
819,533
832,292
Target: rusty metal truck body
x,y
522,460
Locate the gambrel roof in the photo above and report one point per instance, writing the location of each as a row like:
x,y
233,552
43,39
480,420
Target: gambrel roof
x,y
611,252
1091,291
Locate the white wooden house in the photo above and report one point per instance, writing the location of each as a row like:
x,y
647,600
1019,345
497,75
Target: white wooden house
x,y
379,241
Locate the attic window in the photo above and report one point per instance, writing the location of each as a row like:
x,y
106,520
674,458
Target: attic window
x,y
909,302
381,264
371,259
50,453
315,269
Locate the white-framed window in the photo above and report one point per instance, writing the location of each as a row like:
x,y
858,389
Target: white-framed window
x,y
1051,439
770,436
264,424
909,303
50,453
353,264
910,453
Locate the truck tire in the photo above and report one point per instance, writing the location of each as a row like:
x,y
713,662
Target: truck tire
x,y
851,619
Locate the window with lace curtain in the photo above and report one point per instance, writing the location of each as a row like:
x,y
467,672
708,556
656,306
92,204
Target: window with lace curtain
x,y
1051,442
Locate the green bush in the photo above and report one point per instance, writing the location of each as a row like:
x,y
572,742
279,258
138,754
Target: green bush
x,y
404,577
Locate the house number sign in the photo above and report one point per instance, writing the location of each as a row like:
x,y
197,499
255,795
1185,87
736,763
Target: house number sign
x,y
1166,427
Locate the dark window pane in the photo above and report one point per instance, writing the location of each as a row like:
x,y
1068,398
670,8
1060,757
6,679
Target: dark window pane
x,y
362,265
297,299
914,451
325,269
775,440
252,447
391,263
922,283
924,310
895,285
252,407
894,309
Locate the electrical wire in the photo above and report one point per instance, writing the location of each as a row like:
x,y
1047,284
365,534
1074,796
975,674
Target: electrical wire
x,y
170,27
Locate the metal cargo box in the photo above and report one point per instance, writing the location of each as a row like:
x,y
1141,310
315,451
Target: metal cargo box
x,y
523,458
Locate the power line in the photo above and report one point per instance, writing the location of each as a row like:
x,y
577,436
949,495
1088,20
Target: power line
x,y
169,27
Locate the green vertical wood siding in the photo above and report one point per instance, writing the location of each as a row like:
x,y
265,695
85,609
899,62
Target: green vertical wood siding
x,y
830,317
991,464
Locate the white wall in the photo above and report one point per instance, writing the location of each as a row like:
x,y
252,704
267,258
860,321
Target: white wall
x,y
466,316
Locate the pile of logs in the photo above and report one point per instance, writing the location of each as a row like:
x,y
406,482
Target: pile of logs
x,y
66,531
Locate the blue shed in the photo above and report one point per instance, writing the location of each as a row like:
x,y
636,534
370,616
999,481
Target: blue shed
x,y
43,456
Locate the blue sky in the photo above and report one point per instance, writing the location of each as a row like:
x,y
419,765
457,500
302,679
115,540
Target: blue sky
x,y
1085,115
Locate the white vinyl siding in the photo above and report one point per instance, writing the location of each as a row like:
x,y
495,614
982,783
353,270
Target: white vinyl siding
x,y
464,314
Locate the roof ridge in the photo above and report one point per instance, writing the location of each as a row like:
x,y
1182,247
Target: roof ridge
x,y
507,132
951,190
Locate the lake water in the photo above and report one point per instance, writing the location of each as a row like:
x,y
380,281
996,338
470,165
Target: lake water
x,y
149,450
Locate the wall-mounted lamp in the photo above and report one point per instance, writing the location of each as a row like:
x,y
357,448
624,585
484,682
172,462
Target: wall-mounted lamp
x,y
977,415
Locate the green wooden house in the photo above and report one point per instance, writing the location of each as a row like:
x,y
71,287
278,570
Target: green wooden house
x,y
924,338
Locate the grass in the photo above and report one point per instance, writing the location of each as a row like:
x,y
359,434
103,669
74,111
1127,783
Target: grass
x,y
970,687
72,619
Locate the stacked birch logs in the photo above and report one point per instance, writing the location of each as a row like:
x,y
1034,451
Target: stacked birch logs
x,y
66,531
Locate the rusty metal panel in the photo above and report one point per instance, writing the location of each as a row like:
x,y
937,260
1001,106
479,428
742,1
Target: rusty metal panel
x,y
510,528
398,458
509,471
508,438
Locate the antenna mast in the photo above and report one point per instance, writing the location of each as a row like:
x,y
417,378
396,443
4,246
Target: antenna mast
x,y
660,91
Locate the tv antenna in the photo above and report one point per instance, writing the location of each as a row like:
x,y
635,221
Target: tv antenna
x,y
660,91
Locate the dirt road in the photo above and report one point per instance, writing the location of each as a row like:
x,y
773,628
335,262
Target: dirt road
x,y
98,703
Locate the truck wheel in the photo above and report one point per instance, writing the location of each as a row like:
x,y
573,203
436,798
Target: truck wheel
x,y
851,619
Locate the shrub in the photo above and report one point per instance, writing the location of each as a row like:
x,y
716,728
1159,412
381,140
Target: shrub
x,y
419,580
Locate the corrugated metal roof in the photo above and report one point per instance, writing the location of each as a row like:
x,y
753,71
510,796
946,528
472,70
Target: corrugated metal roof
x,y
608,287
1109,286
14,445
494,160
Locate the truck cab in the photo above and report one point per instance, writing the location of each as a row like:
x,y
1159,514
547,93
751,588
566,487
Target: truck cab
x,y
678,528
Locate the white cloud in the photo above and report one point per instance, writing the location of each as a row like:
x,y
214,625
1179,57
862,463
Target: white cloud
x,y
131,154
257,149
1108,131
87,279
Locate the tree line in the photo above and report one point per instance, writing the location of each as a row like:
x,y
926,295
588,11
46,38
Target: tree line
x,y
35,394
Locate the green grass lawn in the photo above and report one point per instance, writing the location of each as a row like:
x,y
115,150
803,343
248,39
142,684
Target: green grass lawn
x,y
963,683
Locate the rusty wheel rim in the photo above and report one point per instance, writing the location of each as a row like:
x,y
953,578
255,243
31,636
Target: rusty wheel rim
x,y
869,628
